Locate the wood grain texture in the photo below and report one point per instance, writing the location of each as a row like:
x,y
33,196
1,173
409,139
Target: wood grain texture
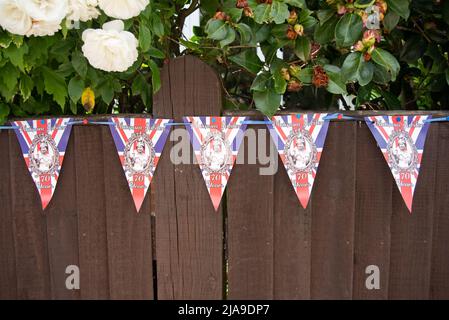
x,y
90,204
374,184
411,234
128,232
62,227
8,275
250,227
439,281
333,215
30,230
189,233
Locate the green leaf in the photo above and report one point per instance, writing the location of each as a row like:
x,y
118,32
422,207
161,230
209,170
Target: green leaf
x,y
386,60
262,13
156,53
249,60
55,85
302,48
216,29
26,86
158,26
391,20
296,3
280,84
447,76
156,76
391,100
348,30
261,82
79,63
400,7
9,74
325,33
230,37
366,72
349,70
279,12
246,34
267,102
306,75
75,88
355,68
144,37
336,84
15,55
4,112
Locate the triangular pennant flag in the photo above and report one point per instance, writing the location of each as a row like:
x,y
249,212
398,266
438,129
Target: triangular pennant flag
x,y
139,143
300,139
43,144
401,139
216,142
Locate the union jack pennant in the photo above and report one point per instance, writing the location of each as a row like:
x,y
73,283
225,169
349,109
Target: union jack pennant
x,y
300,139
216,142
139,143
43,144
401,139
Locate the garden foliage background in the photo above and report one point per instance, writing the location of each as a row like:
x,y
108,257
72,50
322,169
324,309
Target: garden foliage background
x,y
330,48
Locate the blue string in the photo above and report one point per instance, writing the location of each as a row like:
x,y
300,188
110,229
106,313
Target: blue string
x,y
444,119
9,127
256,122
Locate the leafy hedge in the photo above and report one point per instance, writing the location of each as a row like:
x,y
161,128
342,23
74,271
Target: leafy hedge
x,y
329,49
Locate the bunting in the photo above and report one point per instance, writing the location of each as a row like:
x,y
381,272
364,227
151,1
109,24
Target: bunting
x,y
401,140
216,142
299,139
139,143
43,143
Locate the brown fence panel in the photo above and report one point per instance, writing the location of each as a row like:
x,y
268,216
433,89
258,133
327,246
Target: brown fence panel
x,y
189,233
30,230
250,227
130,260
439,281
333,211
374,185
8,275
411,234
62,227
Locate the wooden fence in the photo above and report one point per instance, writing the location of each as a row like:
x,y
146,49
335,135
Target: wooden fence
x,y
260,245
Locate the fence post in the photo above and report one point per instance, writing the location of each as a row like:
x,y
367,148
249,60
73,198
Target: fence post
x,y
189,233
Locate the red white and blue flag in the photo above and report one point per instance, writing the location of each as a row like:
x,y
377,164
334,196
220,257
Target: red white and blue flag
x,y
300,139
402,140
139,143
216,142
43,144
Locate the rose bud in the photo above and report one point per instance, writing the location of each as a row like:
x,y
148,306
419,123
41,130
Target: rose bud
x,y
293,17
294,86
291,34
299,29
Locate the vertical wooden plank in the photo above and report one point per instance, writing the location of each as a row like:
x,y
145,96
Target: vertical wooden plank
x,y
189,233
333,210
128,232
30,234
90,202
439,281
62,227
373,215
250,226
8,277
292,234
411,234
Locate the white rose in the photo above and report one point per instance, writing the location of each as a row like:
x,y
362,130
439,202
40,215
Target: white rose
x,y
83,10
44,28
14,18
110,48
123,9
45,10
